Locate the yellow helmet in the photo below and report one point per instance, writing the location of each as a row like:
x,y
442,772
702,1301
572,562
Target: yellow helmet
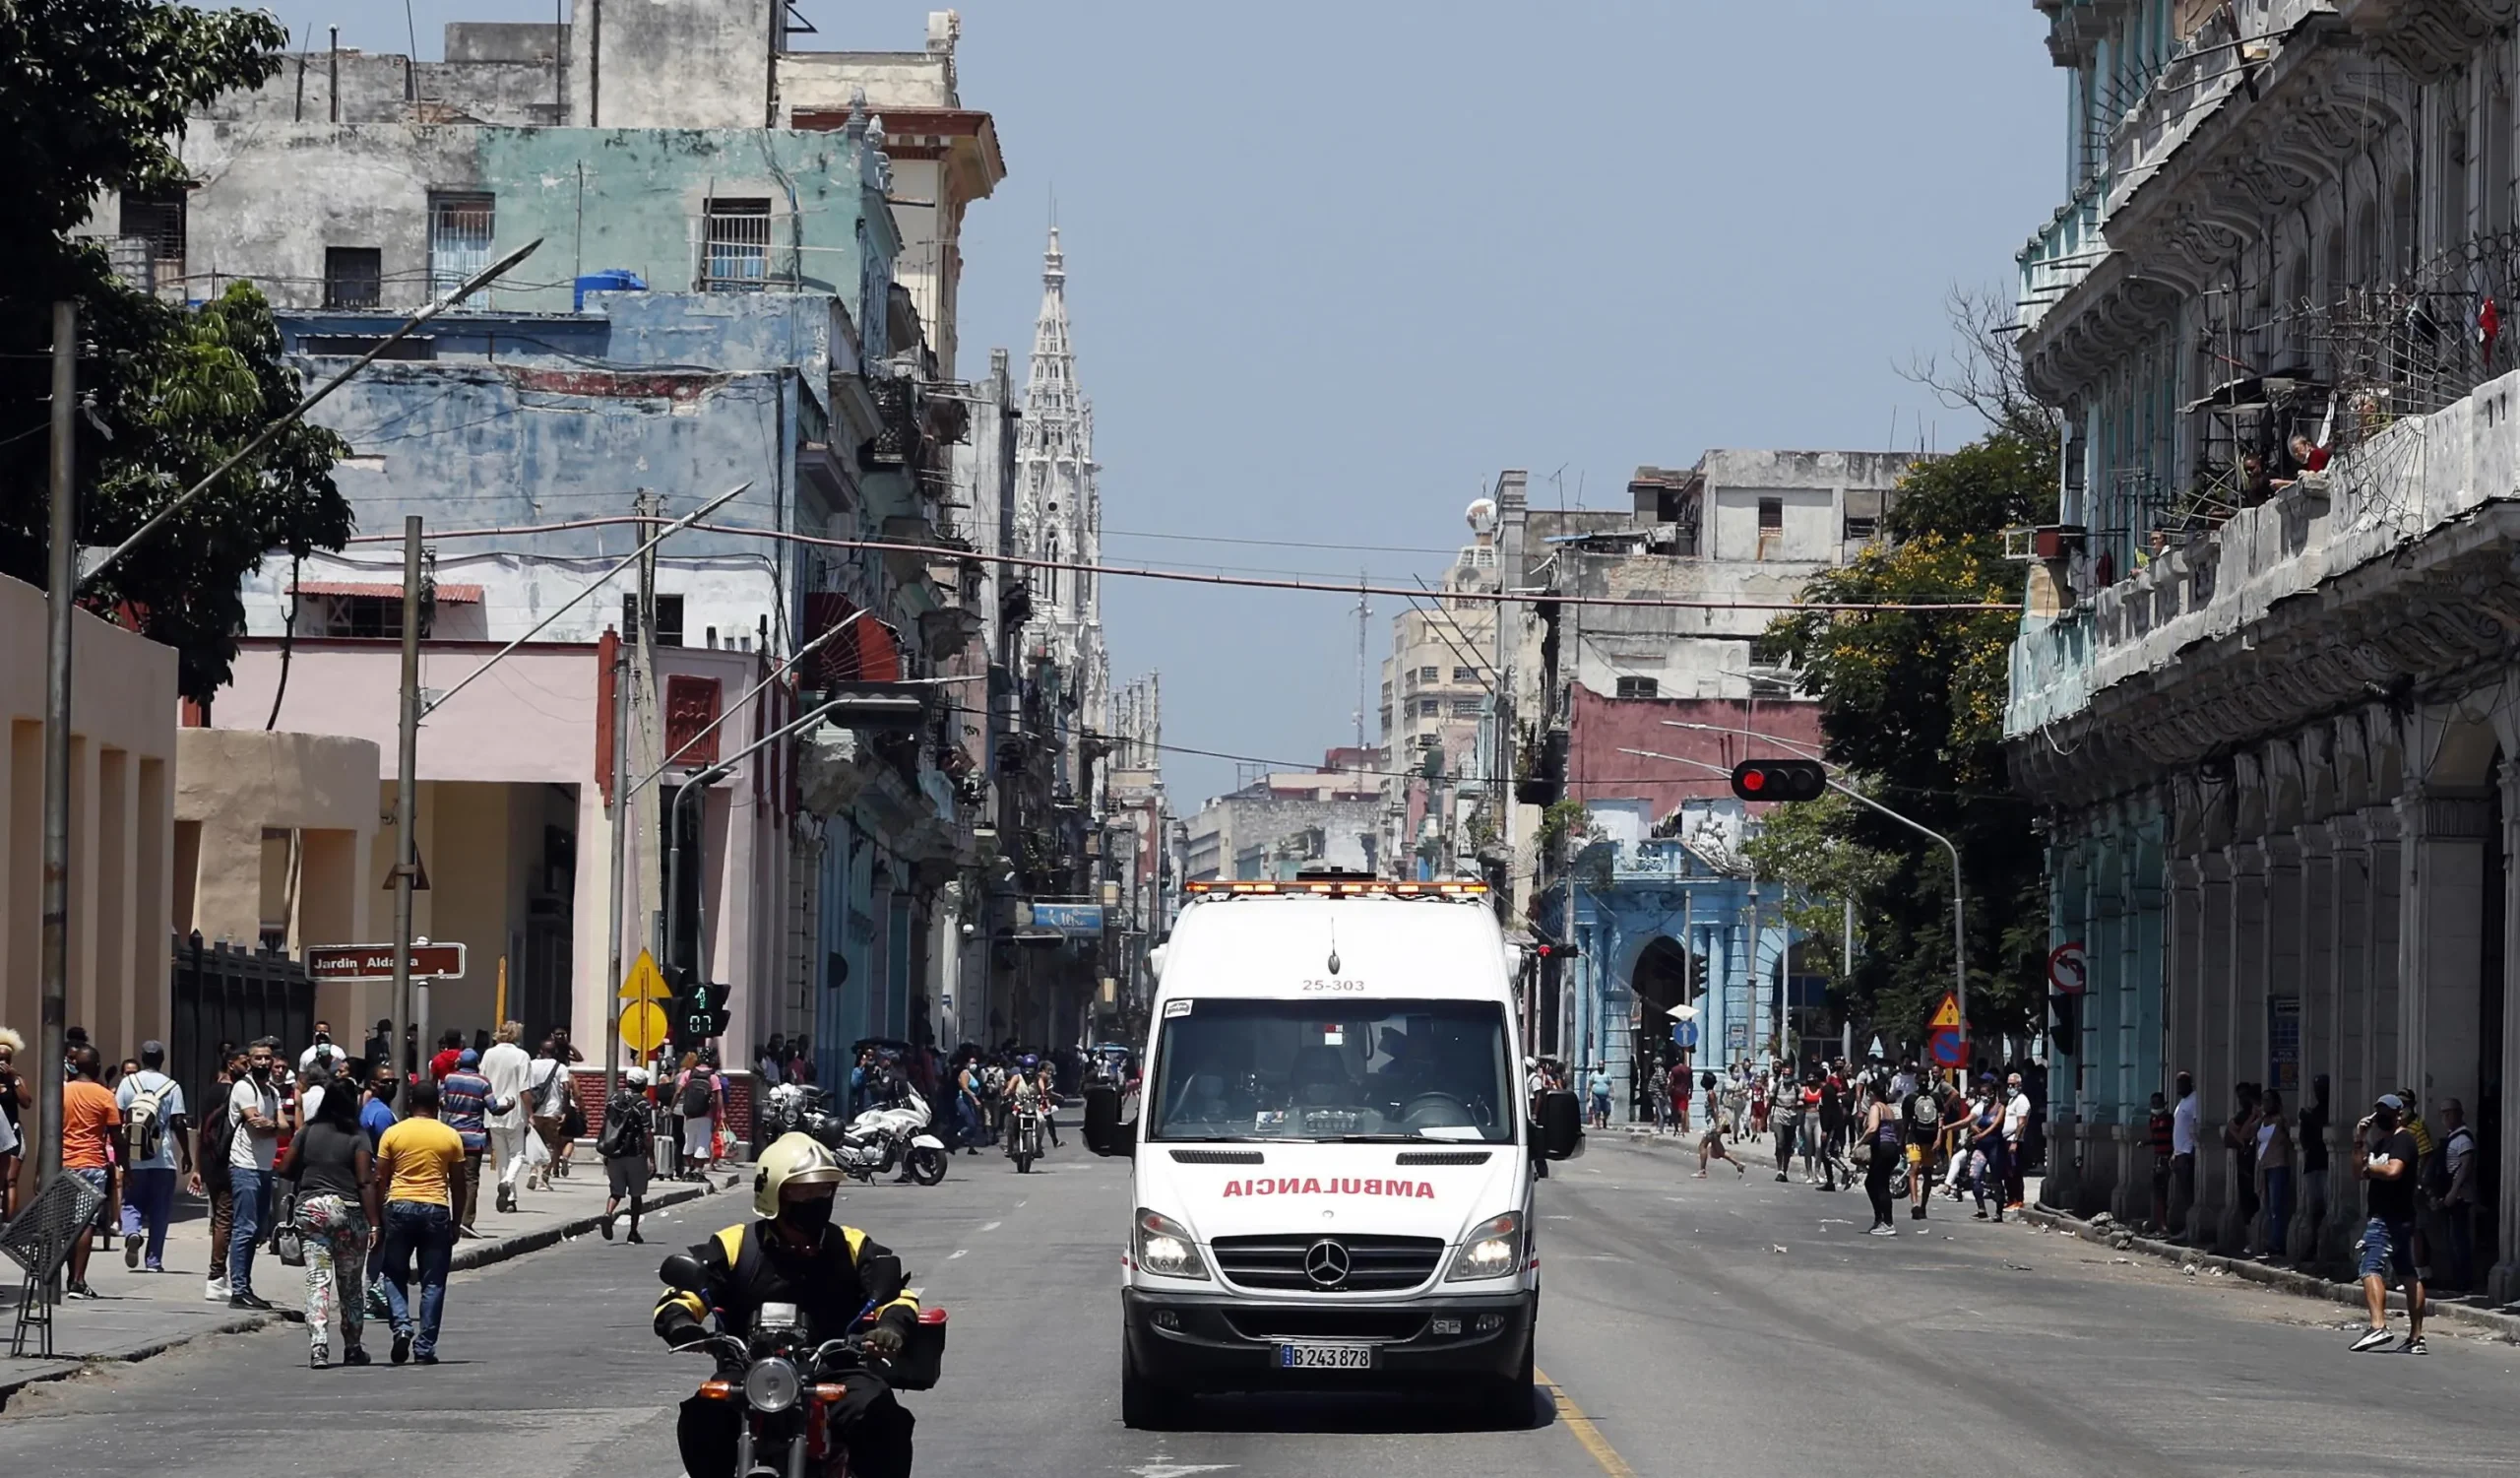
x,y
793,1159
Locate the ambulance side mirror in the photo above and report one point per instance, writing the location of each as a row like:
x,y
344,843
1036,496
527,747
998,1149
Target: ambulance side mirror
x,y
1559,1126
1105,1132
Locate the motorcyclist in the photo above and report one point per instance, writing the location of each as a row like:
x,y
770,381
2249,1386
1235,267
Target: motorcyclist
x,y
1045,1077
1023,1095
795,1254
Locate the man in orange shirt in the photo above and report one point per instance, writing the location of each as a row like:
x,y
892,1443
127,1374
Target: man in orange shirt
x,y
91,1145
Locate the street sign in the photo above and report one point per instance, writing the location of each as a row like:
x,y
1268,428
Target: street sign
x,y
2069,967
1076,920
374,962
1946,1016
1736,1035
643,1027
1945,1047
645,982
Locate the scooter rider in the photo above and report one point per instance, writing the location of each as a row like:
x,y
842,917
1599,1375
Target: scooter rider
x,y
795,1254
1023,1096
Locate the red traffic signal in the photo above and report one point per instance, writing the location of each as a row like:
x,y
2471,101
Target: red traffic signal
x,y
1550,951
1779,780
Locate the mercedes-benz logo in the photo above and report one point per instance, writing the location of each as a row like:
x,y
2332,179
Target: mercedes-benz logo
x,y
1325,1262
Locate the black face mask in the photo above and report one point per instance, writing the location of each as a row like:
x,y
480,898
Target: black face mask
x,y
808,1218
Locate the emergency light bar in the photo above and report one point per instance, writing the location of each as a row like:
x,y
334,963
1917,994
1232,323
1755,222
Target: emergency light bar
x,y
1361,888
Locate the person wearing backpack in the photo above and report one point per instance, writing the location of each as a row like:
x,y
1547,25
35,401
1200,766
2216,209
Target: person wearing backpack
x,y
156,1129
1921,1123
695,1100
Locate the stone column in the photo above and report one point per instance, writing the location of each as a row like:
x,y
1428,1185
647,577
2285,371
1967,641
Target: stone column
x,y
2382,962
2350,1052
2503,1284
2246,1060
2439,951
2213,1048
2317,974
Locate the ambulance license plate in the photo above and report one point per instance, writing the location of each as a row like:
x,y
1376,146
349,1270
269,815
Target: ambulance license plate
x,y
1325,1357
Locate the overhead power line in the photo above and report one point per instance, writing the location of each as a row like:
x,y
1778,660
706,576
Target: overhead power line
x,y
1961,605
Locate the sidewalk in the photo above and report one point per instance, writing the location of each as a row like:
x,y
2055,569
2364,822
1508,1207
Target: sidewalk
x,y
2465,1310
139,1313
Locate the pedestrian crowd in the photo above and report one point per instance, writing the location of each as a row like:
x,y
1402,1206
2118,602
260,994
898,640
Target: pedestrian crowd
x,y
337,1165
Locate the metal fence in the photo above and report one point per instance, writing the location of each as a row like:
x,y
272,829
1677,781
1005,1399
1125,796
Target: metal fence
x,y
227,995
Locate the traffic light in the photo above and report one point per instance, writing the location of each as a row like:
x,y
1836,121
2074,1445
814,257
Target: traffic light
x,y
698,1010
1779,780
2065,1034
1553,951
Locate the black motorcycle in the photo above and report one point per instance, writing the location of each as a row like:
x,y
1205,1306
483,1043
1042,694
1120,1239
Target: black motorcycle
x,y
786,1379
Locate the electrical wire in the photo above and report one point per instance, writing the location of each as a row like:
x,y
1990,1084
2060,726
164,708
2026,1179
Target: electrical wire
x,y
1501,598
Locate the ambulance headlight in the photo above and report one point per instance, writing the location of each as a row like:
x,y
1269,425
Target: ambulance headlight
x,y
1492,1250
1164,1248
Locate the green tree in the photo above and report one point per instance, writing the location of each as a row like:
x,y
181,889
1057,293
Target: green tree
x,y
1912,707
93,96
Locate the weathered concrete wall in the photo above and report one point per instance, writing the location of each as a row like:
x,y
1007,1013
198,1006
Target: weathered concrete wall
x,y
1598,769
234,784
273,196
688,63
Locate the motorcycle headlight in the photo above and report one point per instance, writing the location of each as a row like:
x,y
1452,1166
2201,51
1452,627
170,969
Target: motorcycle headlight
x,y
1492,1250
772,1386
1166,1249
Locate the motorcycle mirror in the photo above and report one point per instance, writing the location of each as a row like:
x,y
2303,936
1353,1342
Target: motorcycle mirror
x,y
682,1270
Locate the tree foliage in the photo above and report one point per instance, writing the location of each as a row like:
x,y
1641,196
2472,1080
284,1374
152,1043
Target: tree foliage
x,y
1912,707
94,93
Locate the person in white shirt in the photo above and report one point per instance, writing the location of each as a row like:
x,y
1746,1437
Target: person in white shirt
x,y
323,1044
508,1065
546,1090
2016,1140
253,1104
2182,1151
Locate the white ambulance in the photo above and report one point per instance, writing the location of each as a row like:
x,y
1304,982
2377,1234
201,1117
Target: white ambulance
x,y
1333,1150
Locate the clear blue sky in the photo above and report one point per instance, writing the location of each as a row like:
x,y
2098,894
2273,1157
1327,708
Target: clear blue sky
x,y
1333,264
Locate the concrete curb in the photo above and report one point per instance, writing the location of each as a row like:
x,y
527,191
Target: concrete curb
x,y
486,1253
2505,1326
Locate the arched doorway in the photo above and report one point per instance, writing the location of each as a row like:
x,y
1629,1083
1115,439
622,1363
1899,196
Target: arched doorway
x,y
1661,978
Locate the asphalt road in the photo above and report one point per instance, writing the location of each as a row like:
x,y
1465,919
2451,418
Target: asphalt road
x,y
1675,1337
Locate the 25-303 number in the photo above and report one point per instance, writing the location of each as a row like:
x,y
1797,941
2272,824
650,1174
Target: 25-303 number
x,y
1333,985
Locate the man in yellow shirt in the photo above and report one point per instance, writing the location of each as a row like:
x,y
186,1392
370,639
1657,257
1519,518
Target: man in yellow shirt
x,y
421,1162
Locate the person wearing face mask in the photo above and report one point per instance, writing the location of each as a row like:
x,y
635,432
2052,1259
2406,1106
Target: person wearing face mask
x,y
253,1111
794,1253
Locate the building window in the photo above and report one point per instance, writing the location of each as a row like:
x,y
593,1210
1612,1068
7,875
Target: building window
x,y
1861,530
361,615
1464,708
458,239
1638,687
156,221
1429,675
353,277
735,246
1771,514
1430,708
1465,675
668,632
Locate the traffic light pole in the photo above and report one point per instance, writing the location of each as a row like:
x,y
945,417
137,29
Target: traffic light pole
x,y
620,856
1959,906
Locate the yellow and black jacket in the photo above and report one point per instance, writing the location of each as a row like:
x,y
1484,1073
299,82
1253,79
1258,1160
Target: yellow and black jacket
x,y
748,1267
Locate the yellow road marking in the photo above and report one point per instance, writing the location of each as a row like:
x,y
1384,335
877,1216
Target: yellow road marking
x,y
1586,1430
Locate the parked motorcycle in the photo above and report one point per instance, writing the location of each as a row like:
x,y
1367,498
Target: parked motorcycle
x,y
786,1377
898,1135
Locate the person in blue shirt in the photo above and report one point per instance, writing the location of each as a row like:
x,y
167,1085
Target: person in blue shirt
x,y
376,1114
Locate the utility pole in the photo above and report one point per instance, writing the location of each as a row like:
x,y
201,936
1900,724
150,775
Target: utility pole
x,y
620,860
1846,971
61,588
644,666
409,998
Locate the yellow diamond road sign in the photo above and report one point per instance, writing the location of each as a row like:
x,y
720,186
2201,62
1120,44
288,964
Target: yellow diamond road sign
x,y
1946,1015
643,1027
645,982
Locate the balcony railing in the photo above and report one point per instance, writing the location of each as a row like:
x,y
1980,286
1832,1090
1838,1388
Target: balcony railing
x,y
2063,252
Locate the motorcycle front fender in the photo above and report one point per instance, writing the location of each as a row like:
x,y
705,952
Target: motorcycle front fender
x,y
926,1141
